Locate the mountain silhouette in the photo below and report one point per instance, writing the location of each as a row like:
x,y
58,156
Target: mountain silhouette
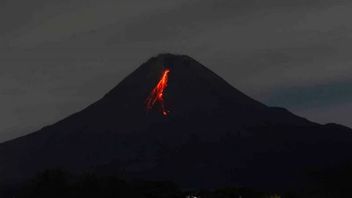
x,y
212,135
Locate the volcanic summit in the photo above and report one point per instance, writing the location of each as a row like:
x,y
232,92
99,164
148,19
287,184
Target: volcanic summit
x,y
174,119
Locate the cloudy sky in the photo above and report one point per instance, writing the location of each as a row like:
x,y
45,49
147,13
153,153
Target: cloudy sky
x,y
58,56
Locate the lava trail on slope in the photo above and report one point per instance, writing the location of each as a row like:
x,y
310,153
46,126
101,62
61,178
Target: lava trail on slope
x,y
157,94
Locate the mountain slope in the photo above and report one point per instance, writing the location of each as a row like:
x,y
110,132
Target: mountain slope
x,y
213,135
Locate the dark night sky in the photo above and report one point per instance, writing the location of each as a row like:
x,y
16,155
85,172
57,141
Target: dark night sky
x,y
58,56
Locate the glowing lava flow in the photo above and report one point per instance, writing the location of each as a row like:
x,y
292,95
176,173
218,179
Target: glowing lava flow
x,y
157,94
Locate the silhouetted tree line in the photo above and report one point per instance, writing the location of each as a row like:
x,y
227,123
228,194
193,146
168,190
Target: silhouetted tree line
x,y
335,182
61,184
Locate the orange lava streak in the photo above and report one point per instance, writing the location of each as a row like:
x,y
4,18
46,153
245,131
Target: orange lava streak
x,y
157,94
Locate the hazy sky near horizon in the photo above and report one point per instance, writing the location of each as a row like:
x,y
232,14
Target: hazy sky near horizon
x,y
58,56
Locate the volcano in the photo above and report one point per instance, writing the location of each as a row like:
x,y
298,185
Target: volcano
x,y
173,119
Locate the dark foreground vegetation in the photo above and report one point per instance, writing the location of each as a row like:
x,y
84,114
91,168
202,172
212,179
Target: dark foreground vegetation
x,y
61,184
